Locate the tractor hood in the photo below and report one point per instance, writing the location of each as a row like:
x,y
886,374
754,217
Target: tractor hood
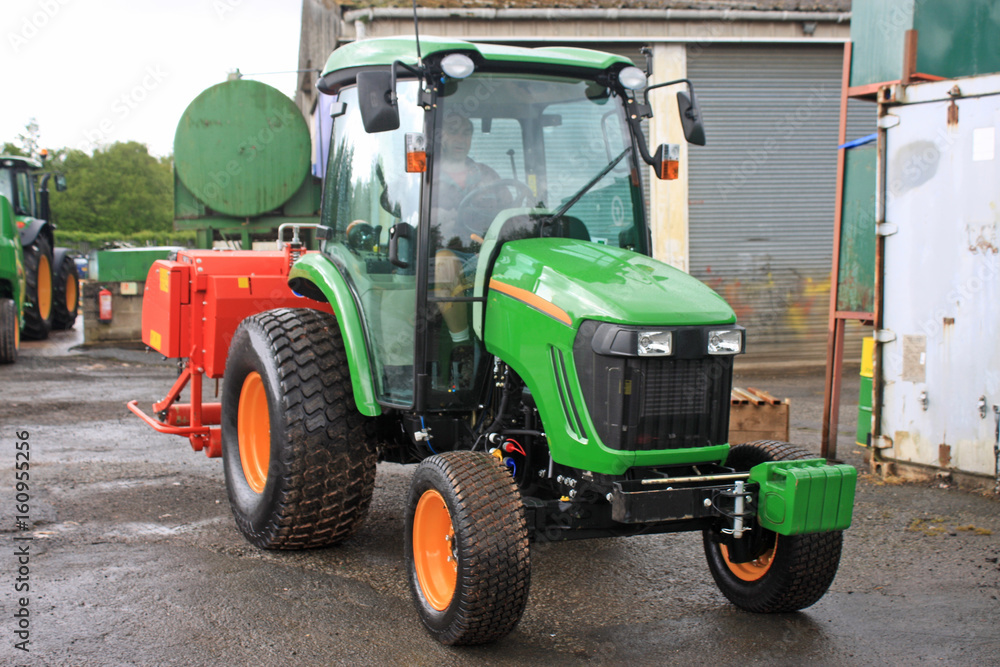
x,y
572,280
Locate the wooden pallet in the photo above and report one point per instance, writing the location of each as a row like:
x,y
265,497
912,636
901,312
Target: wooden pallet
x,y
757,415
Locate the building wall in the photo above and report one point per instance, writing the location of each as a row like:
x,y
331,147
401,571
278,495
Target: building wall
x,y
757,58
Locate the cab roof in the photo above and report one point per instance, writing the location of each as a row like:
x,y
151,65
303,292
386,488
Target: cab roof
x,y
10,160
385,50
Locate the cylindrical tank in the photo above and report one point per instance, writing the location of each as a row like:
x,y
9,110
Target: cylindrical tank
x,y
242,148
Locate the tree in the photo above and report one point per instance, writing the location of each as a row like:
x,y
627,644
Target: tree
x,y
10,148
120,188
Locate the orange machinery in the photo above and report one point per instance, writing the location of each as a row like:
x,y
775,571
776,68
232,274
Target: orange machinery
x,y
191,308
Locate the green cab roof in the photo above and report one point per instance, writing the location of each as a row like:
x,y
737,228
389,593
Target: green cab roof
x,y
9,160
386,50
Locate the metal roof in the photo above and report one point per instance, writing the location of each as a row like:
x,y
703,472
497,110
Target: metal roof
x,y
718,5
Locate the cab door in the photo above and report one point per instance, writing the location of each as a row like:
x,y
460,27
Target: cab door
x,y
367,195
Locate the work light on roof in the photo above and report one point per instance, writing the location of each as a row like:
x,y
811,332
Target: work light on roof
x,y
632,78
457,65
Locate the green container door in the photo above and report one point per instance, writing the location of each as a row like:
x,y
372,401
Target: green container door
x,y
955,38
125,264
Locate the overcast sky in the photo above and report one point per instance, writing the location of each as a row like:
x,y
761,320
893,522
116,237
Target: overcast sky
x,y
92,72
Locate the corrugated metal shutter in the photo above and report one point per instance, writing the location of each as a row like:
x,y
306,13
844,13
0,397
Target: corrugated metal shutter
x,y
762,191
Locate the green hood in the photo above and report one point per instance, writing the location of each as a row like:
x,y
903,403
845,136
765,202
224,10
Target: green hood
x,y
595,282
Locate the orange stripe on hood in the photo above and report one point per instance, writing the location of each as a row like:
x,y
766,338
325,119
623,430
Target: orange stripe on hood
x,y
532,300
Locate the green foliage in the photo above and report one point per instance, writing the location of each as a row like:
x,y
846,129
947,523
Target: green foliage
x,y
119,190
10,148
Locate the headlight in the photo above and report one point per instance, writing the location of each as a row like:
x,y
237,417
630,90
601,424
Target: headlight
x,y
632,78
655,343
725,341
457,65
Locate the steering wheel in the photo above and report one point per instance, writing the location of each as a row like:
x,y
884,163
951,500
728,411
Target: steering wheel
x,y
478,208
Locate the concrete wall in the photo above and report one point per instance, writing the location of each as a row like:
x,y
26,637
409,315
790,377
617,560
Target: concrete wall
x,y
126,325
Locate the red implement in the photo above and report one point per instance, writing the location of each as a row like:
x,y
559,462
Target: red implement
x,y
190,309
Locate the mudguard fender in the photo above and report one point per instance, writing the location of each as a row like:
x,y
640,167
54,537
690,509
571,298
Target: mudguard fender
x,y
314,276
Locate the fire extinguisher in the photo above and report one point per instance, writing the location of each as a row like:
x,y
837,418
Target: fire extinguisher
x,y
104,305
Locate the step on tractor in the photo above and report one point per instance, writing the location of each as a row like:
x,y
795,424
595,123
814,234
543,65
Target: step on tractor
x,y
39,288
482,302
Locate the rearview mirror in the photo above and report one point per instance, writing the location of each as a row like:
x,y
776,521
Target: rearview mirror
x,y
694,131
60,183
376,100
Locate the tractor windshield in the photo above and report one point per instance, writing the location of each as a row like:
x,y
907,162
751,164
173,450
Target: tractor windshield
x,y
551,149
516,157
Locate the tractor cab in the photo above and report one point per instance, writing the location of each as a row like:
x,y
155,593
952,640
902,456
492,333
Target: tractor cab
x,y
435,163
26,188
17,184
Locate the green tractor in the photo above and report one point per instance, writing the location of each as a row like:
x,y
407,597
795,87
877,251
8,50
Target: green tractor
x,y
42,289
499,320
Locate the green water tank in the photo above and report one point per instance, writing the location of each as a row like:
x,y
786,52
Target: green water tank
x,y
242,148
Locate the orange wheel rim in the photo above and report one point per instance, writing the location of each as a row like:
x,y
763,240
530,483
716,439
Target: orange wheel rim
x,y
253,429
17,335
44,287
434,553
755,569
71,293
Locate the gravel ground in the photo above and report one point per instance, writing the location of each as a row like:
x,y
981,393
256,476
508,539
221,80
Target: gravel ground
x,y
134,558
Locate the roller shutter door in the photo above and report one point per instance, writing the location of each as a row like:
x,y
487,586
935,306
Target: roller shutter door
x,y
762,191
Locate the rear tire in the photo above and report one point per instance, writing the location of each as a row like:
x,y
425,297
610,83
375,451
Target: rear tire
x,y
38,295
10,331
792,572
65,293
466,548
298,457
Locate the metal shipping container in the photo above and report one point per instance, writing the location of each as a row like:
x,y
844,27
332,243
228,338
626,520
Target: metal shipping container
x,y
941,326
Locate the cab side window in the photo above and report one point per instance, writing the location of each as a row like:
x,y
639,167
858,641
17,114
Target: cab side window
x,y
25,195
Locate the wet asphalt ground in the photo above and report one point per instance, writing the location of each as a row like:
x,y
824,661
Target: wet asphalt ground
x,y
133,558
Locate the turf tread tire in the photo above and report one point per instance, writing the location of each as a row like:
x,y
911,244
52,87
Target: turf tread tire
x,y
9,326
804,565
321,472
491,534
63,312
36,327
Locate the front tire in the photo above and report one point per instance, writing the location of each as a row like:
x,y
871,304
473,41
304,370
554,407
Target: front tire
x,y
298,456
466,548
789,573
10,331
38,295
65,292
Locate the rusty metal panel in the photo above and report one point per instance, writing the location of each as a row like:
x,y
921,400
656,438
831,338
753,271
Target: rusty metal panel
x,y
942,275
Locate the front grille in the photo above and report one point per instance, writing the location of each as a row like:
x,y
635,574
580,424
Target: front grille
x,y
651,403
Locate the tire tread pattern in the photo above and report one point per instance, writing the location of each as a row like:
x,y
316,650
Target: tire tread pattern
x,y
493,550
805,566
327,455
8,331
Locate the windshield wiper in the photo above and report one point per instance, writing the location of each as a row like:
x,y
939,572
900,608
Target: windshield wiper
x,y
585,189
